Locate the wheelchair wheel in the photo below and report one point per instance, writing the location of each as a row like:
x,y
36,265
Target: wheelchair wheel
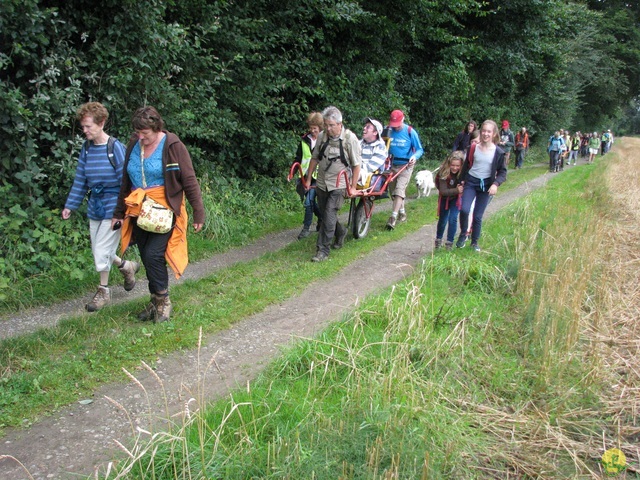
x,y
360,220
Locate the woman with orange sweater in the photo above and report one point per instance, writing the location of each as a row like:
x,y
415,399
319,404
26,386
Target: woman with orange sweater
x,y
158,166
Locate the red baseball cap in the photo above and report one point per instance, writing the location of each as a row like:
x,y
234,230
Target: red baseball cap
x,y
396,118
505,124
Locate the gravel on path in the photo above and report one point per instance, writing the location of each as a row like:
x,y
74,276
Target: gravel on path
x,y
78,439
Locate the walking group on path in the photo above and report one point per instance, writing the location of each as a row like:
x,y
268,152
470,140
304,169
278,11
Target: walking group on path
x,y
80,437
458,187
564,148
138,193
466,182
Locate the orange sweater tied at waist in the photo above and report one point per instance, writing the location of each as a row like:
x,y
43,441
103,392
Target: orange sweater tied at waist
x,y
176,255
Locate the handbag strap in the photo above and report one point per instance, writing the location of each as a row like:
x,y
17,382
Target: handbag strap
x,y
144,180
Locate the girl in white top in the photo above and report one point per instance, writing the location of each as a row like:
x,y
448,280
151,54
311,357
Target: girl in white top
x,y
483,171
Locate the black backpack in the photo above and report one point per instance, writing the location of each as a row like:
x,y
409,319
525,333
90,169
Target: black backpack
x,y
110,143
342,157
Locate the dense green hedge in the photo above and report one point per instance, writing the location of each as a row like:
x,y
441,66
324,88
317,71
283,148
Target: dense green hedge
x,y
235,81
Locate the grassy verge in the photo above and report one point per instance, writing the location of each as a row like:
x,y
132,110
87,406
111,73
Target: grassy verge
x,y
477,367
57,366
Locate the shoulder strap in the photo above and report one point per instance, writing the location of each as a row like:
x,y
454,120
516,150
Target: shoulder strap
x,y
472,151
85,148
112,159
409,130
323,147
110,143
343,157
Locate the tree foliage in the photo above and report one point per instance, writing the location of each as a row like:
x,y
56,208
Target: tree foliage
x,y
235,80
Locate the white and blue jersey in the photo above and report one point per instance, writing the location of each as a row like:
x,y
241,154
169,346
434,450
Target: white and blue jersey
x,y
95,173
404,145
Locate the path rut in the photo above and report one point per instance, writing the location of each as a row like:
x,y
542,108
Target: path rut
x,y
78,439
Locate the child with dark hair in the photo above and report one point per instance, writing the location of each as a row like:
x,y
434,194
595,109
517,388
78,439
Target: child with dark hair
x,y
450,191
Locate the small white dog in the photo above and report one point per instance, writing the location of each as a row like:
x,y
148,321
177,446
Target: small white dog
x,y
424,182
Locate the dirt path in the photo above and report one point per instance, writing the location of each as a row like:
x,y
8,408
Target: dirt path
x,y
80,438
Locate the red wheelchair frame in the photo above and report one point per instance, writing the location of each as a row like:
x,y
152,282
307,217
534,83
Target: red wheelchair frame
x,y
362,200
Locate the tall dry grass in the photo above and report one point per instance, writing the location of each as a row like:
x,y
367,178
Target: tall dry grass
x,y
558,261
619,292
580,284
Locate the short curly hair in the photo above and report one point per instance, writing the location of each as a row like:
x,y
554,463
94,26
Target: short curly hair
x,y
93,109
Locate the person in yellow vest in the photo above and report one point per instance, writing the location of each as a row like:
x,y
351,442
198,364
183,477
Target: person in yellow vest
x,y
303,157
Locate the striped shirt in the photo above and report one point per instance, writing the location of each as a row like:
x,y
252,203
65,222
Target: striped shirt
x,y
374,155
95,169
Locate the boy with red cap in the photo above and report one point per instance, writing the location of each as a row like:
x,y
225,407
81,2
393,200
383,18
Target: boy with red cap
x,y
507,141
405,148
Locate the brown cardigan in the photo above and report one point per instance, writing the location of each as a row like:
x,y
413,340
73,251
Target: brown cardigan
x,y
177,181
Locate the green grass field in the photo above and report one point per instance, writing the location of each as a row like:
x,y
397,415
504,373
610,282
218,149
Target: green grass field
x,y
474,365
473,368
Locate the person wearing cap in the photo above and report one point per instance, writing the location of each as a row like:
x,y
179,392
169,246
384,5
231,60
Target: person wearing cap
x,y
507,141
337,149
374,151
405,148
303,157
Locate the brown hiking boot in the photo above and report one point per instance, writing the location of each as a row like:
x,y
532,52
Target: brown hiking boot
x,y
391,223
402,217
128,269
149,312
100,299
163,308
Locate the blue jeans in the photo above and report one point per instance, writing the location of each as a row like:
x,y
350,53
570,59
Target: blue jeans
x,y
310,207
474,188
448,216
573,154
309,203
520,157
